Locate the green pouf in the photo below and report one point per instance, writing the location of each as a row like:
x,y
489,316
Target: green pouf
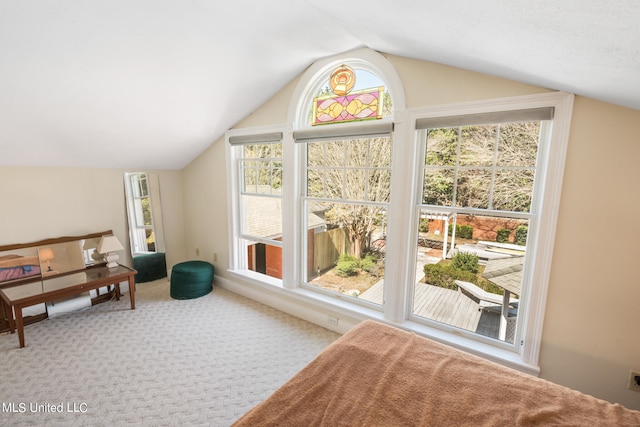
x,y
150,267
191,279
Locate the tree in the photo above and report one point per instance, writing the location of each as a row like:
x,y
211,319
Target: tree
x,y
353,173
359,222
356,174
476,152
262,168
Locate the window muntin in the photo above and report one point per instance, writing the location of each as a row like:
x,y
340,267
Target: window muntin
x,y
349,169
345,208
484,167
483,177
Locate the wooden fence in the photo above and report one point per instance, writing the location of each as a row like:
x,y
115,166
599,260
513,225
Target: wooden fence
x,y
328,246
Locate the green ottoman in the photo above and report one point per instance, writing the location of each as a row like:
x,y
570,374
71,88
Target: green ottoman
x,y
150,267
191,279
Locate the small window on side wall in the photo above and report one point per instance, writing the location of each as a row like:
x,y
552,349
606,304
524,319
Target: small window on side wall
x,y
144,213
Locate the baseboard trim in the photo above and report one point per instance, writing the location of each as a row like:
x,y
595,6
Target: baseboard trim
x,y
341,319
292,304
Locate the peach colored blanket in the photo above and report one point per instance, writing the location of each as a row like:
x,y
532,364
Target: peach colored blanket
x,y
378,375
9,261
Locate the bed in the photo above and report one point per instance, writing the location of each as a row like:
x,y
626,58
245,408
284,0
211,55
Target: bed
x,y
17,266
378,375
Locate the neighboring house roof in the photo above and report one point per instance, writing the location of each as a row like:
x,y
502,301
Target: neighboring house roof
x,y
264,217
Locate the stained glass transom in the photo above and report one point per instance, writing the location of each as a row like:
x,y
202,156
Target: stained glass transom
x,y
350,95
363,105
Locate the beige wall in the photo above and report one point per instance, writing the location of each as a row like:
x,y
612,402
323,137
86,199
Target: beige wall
x,y
590,340
205,200
205,189
40,203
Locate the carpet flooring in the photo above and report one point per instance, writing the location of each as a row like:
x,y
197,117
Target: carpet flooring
x,y
200,362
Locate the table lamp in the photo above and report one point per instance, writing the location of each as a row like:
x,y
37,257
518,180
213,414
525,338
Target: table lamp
x,y
46,254
108,246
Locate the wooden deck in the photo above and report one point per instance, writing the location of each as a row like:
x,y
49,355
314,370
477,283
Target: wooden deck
x,y
446,306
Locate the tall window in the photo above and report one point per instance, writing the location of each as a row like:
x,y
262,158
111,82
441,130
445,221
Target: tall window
x,y
259,217
345,207
143,239
478,185
437,218
346,158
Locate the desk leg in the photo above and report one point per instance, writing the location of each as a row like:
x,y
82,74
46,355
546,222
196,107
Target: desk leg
x,y
132,292
20,326
8,309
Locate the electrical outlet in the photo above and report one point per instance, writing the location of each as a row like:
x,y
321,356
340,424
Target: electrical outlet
x,y
332,320
215,257
634,381
197,251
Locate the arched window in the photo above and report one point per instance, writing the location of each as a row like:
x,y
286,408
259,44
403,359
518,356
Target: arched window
x,y
350,95
356,86
342,208
344,138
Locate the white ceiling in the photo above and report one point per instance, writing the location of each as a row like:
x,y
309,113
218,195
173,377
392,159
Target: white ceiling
x,y
153,83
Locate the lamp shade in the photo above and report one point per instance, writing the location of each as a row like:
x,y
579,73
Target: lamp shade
x,y
109,244
46,254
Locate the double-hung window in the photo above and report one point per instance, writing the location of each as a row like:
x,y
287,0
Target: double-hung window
x,y
258,218
478,176
345,202
140,211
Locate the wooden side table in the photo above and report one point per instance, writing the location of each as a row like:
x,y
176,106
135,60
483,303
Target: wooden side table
x,y
16,298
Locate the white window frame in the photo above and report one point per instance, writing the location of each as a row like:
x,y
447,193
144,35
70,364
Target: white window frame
x,y
402,217
137,230
238,257
304,199
523,354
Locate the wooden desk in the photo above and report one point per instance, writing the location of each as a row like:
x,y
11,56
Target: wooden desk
x,y
49,289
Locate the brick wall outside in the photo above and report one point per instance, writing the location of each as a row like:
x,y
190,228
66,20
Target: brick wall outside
x,y
484,228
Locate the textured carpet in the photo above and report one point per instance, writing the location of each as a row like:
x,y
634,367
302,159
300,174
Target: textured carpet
x,y
169,362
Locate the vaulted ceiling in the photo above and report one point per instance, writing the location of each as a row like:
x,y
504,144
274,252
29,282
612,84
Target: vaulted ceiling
x,y
153,83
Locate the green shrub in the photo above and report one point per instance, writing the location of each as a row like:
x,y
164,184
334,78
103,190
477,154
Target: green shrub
x,y
347,257
465,261
370,264
503,235
462,231
444,275
439,275
424,225
466,232
521,235
346,265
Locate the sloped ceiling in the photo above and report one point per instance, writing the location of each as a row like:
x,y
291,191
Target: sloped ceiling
x,y
153,83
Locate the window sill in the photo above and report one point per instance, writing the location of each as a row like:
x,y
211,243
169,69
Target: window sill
x,y
255,278
341,315
455,338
